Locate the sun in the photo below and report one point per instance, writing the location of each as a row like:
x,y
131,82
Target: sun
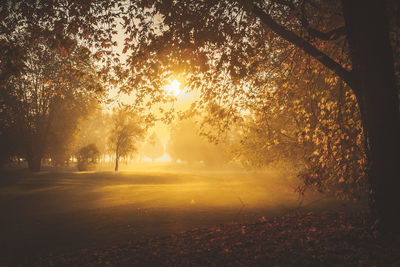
x,y
173,88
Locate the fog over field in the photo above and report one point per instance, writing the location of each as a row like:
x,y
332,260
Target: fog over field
x,y
52,212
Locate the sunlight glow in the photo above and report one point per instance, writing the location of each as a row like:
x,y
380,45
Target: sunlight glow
x,y
173,88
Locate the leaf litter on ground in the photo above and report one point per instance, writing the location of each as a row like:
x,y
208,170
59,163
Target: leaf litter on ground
x,y
310,239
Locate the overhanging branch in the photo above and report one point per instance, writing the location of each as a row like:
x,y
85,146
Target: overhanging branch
x,y
304,45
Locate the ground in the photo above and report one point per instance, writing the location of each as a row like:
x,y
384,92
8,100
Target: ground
x,y
50,214
305,239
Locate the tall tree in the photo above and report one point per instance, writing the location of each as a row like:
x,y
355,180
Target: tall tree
x,y
127,130
44,90
43,62
238,46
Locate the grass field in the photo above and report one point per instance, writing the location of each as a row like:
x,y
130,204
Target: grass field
x,y
53,212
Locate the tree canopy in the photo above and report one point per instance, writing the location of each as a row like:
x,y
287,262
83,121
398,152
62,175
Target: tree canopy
x,y
41,95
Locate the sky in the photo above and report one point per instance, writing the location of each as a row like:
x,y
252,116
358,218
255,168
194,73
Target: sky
x,y
183,101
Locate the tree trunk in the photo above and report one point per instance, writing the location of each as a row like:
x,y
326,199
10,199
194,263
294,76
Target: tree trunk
x,y
34,151
34,162
373,70
116,160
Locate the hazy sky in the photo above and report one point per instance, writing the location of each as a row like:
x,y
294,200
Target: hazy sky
x,y
184,99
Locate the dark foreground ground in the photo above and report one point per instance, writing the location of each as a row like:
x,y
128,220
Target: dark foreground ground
x,y
154,216
312,239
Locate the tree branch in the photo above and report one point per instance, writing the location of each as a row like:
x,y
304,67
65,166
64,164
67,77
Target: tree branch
x,y
304,45
326,36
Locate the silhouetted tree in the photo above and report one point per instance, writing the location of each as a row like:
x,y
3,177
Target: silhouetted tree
x,y
49,88
42,64
127,130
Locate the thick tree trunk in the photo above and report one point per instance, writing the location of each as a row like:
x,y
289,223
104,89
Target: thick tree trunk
x,y
373,70
34,151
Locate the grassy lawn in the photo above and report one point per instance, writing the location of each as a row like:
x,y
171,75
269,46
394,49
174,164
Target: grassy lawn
x,y
57,212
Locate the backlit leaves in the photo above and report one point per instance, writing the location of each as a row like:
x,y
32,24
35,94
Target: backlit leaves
x,y
315,126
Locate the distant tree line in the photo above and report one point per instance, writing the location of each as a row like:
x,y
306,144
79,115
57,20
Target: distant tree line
x,y
187,145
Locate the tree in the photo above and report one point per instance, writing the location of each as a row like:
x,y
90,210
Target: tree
x,y
10,146
50,86
153,147
43,57
88,157
127,130
238,45
64,135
